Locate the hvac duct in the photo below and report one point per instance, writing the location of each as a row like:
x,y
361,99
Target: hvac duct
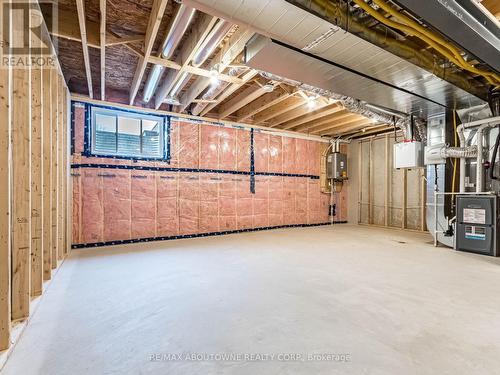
x,y
177,30
211,42
371,111
208,46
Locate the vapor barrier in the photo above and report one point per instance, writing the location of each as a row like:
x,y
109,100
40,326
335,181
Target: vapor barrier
x,y
204,188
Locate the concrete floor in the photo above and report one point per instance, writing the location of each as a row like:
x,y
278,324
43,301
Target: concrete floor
x,y
388,300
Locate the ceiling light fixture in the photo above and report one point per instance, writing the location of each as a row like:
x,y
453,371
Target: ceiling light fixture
x,y
214,76
311,101
268,87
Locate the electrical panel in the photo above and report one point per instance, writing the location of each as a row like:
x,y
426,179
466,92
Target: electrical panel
x,y
336,166
408,155
477,224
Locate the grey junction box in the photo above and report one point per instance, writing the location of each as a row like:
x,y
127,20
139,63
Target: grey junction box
x,y
336,166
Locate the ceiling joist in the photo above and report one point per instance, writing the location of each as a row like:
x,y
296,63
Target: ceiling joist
x,y
226,56
194,41
154,23
245,97
83,35
231,89
313,116
103,48
268,100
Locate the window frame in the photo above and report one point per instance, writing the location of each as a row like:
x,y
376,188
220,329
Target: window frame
x,y
96,110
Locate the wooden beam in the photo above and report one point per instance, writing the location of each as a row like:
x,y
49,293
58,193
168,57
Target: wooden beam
x,y
21,195
36,181
313,116
286,105
224,57
68,29
47,174
231,89
262,103
296,112
5,207
154,23
310,126
242,99
337,130
103,48
194,41
337,124
83,35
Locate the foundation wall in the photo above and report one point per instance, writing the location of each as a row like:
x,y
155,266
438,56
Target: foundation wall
x,y
205,187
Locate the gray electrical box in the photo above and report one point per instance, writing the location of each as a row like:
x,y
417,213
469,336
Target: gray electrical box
x,y
336,166
477,224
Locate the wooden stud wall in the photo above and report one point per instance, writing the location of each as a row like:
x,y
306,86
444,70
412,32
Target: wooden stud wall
x,y
5,204
35,228
394,207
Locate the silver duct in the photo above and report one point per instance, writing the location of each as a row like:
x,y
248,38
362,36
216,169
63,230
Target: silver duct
x,y
175,33
360,107
208,46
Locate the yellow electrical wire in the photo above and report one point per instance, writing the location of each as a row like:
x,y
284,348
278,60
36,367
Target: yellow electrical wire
x,y
428,34
454,160
442,47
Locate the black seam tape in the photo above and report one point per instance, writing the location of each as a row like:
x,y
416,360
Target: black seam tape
x,y
182,236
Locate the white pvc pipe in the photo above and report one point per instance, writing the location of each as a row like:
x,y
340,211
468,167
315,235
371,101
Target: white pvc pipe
x,y
482,124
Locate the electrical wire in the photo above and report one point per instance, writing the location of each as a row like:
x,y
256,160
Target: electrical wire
x,y
454,160
413,28
430,38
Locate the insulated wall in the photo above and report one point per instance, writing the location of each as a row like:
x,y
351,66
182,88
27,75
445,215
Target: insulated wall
x,y
386,196
218,179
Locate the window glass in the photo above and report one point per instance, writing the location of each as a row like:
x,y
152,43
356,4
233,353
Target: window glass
x,y
129,135
150,137
126,134
105,133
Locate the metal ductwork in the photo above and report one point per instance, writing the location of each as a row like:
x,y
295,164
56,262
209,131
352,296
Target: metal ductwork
x,y
286,61
401,121
464,23
210,43
176,32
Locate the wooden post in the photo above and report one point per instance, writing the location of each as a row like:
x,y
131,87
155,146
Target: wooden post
x,y
360,180
371,174
387,181
404,204
36,182
47,174
68,185
60,176
5,207
55,169
21,192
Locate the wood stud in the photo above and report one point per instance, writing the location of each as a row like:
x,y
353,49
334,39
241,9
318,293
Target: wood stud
x,y
34,170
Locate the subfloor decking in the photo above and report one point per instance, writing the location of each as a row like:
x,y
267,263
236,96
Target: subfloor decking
x,y
389,300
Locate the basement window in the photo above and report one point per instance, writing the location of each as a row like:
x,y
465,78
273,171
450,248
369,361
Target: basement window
x,y
124,134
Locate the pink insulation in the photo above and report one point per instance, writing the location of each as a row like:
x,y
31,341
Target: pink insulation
x,y
167,206
92,208
120,204
117,209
